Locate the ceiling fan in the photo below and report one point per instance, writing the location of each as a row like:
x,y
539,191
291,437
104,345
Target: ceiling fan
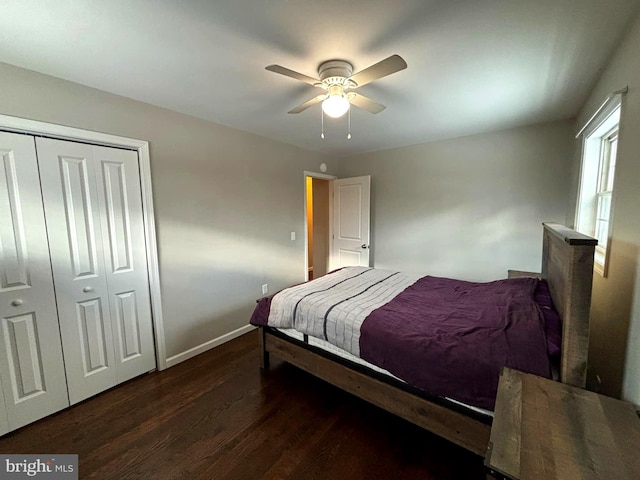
x,y
338,81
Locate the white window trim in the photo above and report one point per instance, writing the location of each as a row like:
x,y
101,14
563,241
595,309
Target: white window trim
x,y
601,122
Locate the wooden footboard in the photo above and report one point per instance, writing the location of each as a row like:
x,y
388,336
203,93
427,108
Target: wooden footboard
x,y
461,429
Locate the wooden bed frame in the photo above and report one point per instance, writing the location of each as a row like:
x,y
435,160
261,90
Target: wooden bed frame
x,y
567,265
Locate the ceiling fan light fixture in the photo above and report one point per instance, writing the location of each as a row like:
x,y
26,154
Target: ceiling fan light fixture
x,y
335,105
336,76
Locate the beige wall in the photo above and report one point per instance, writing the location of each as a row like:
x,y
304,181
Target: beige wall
x,y
225,201
615,311
470,207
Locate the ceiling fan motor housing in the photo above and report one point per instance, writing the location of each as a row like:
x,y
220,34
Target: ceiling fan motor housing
x,y
335,72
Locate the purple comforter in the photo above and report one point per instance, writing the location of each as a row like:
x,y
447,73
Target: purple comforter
x,y
451,337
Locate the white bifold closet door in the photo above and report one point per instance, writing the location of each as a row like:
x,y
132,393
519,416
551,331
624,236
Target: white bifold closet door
x,y
95,228
32,374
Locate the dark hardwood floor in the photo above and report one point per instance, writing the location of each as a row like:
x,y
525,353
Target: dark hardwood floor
x,y
217,416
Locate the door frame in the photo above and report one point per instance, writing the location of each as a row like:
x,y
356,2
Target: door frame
x,y
322,176
61,132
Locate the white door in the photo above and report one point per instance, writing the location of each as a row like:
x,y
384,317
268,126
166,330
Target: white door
x,y
31,366
70,192
94,216
120,197
351,213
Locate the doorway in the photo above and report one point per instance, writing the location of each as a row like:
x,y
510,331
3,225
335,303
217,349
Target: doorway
x,y
318,216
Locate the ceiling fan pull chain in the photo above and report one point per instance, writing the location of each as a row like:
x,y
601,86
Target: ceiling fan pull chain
x,y
349,126
322,122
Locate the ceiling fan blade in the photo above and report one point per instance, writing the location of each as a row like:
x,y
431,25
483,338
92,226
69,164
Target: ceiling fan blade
x,y
365,103
290,73
309,103
389,65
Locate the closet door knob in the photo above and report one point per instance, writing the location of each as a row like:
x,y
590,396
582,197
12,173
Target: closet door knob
x,y
16,303
87,289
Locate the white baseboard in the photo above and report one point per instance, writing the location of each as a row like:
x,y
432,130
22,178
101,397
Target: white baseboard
x,y
192,352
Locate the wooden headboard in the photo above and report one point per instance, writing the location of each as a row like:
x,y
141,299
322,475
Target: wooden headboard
x,y
567,265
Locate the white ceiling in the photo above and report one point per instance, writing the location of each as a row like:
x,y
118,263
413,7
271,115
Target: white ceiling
x,y
474,65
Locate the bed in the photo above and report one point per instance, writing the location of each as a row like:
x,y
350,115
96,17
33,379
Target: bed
x,y
350,358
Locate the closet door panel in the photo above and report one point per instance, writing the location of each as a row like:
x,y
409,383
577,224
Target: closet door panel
x,y
32,371
68,177
78,216
126,262
93,343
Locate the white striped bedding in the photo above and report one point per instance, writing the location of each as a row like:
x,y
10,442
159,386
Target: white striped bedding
x,y
336,314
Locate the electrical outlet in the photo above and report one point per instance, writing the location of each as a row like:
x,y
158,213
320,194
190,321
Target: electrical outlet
x,y
293,236
265,288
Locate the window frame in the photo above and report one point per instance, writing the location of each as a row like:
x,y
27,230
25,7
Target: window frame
x,y
605,184
597,135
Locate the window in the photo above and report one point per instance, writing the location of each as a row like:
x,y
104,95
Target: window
x,y
606,172
597,178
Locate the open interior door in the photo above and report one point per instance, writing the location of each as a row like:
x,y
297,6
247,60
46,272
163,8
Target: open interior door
x,y
351,214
